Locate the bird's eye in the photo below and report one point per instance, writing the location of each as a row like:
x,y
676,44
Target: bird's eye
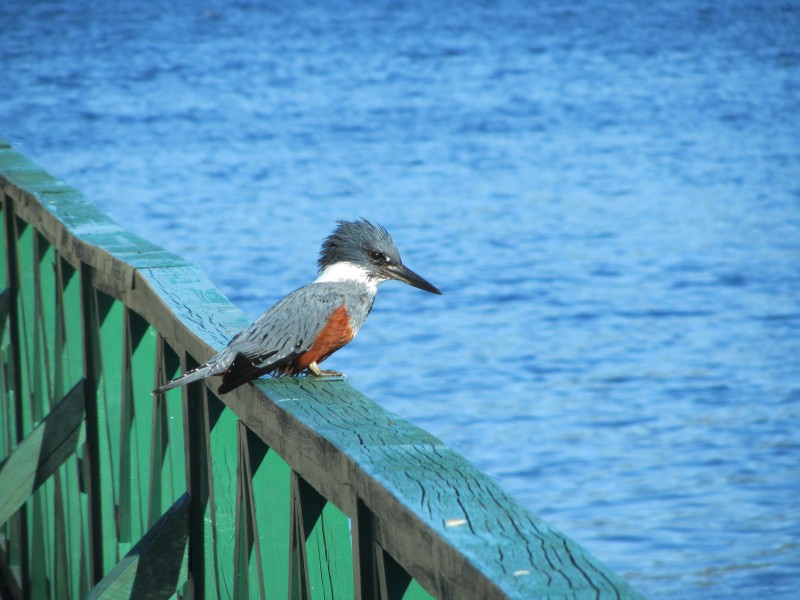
x,y
378,256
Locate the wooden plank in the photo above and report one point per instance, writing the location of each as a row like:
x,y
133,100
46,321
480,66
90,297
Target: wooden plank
x,y
71,345
51,384
271,486
18,408
92,461
142,357
30,409
33,369
49,387
299,584
12,419
12,531
153,567
111,464
322,544
70,358
330,555
42,452
221,425
8,434
4,282
8,438
197,484
168,464
365,576
249,577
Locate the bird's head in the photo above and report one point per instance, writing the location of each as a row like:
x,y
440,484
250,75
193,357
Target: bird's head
x,y
359,250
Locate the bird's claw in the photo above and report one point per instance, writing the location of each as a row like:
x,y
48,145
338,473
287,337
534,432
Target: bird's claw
x,y
330,375
317,372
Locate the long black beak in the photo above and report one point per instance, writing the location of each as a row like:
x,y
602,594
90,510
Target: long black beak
x,y
408,276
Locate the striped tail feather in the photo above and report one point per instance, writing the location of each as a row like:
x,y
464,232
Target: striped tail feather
x,y
200,372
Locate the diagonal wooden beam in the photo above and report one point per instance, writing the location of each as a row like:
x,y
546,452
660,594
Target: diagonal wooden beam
x,y
152,568
45,449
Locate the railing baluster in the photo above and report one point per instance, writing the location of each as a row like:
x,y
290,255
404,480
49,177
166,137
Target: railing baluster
x,y
247,558
299,584
197,483
364,561
168,460
91,455
18,531
69,348
271,489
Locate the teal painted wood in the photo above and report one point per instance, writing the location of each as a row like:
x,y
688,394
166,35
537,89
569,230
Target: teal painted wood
x,y
221,462
423,519
320,548
153,567
114,475
30,405
41,453
430,484
271,486
14,550
168,437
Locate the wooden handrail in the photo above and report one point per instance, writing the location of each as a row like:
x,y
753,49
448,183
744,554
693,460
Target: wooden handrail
x,y
296,487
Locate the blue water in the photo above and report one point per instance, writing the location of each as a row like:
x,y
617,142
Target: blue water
x,y
607,193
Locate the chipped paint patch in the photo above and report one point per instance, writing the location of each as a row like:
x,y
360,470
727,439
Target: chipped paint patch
x,y
455,522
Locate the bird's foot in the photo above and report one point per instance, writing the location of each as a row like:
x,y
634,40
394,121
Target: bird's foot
x,y
317,372
331,374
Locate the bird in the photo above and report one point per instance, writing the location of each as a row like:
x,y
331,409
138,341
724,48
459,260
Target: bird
x,y
311,323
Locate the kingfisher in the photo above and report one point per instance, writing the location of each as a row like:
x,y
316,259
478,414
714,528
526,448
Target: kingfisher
x,y
313,322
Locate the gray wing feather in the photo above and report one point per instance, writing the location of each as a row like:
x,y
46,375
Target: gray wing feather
x,y
283,332
290,326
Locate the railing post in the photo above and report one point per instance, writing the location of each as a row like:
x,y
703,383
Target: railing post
x,y
91,468
12,238
194,426
363,553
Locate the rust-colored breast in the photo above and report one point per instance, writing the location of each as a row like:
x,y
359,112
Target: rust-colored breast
x,y
335,334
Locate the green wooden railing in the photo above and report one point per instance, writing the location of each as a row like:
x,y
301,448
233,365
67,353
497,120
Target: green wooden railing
x,y
289,488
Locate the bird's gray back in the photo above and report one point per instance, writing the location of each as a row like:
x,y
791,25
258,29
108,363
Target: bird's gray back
x,y
292,324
